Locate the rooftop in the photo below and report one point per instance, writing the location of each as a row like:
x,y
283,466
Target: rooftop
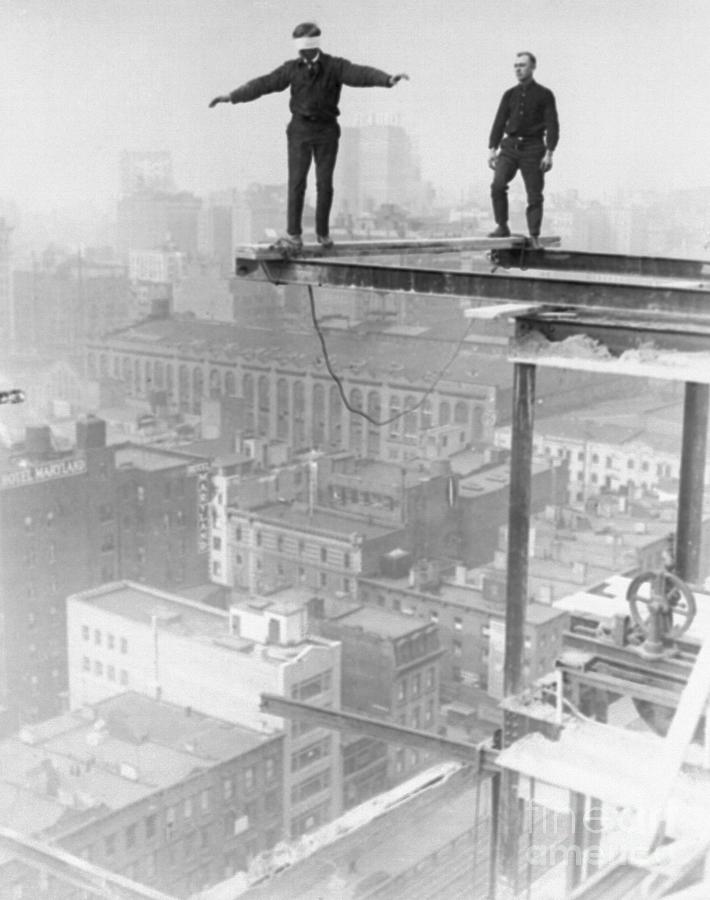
x,y
106,757
371,355
339,526
170,611
381,622
148,459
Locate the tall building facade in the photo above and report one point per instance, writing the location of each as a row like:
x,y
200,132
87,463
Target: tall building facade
x,y
391,670
82,517
146,170
376,166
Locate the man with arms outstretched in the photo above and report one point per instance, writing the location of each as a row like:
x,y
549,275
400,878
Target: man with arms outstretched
x,y
315,79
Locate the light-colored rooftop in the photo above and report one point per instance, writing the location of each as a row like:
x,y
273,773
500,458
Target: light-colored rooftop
x,y
148,459
113,754
144,604
298,516
381,622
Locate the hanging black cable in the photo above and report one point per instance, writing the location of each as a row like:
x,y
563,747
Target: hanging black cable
x,y
338,381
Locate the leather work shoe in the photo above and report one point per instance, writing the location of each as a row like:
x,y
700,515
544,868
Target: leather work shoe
x,y
500,231
290,243
325,241
535,242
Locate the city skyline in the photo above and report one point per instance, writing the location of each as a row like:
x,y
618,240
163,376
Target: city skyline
x,y
68,117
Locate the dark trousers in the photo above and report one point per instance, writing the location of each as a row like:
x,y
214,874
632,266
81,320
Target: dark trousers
x,y
525,156
306,141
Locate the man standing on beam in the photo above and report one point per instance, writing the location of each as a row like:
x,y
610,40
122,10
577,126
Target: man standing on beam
x,y
526,130
315,79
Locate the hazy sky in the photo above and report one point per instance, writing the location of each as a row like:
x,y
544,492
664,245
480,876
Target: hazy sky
x,y
82,80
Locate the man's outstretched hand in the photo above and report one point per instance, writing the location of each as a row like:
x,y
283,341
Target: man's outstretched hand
x,y
220,99
395,78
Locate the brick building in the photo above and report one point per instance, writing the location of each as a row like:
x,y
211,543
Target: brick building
x,y
77,518
125,636
391,670
469,618
167,796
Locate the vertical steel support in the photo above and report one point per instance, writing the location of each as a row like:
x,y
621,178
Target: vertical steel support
x,y
516,603
576,842
518,525
692,476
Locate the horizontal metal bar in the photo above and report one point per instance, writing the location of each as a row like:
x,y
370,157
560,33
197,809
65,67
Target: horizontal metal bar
x,y
339,720
677,670
74,870
677,298
402,246
618,332
623,686
566,260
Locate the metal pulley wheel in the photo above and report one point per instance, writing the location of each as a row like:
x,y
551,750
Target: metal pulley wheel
x,y
670,603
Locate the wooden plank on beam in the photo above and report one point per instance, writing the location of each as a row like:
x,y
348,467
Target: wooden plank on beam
x,y
399,247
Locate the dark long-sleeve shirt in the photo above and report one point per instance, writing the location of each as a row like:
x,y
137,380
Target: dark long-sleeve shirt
x,y
526,111
315,91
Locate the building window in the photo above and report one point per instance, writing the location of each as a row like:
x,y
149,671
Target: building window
x,y
249,779
270,769
187,808
458,623
402,690
280,543
416,684
323,579
150,826
131,836
205,800
324,554
301,547
98,667
238,533
458,650
228,788
124,645
346,560
310,754
110,641
434,615
86,664
97,636
85,632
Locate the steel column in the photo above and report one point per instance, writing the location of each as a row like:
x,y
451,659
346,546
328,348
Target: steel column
x,y
516,603
518,525
575,855
692,477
